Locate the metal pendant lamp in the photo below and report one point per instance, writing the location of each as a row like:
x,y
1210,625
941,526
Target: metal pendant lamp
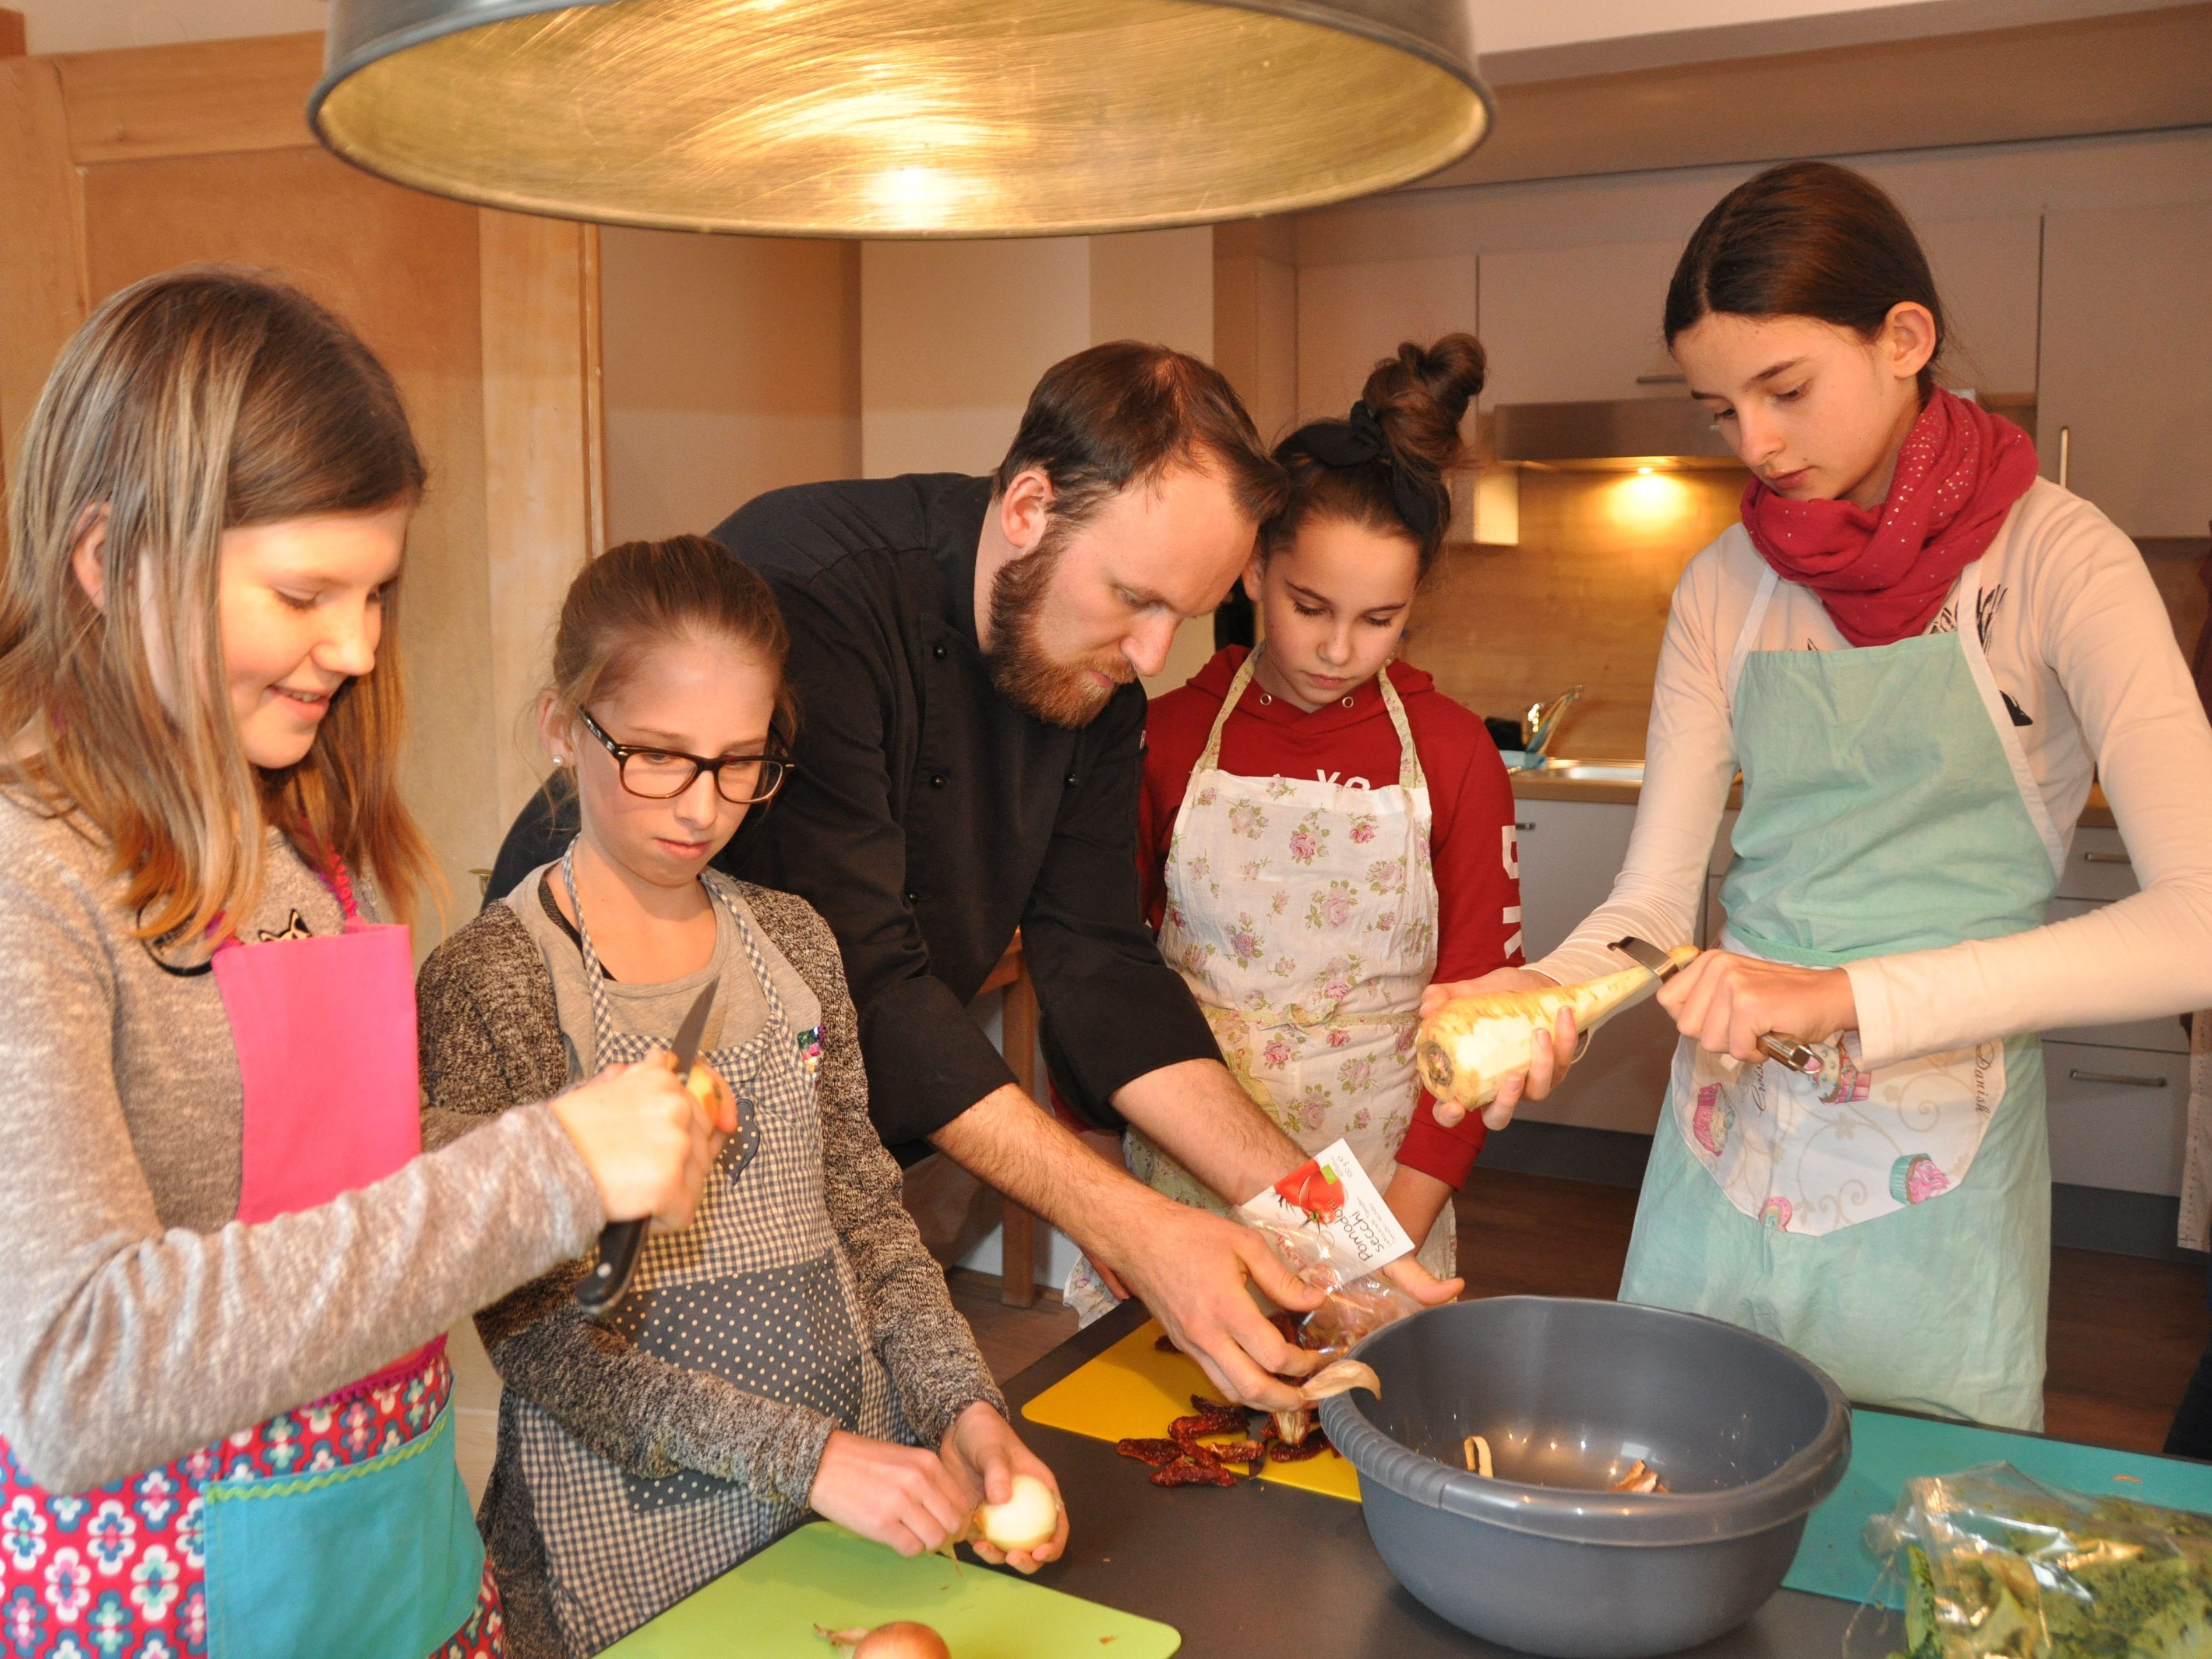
x,y
900,118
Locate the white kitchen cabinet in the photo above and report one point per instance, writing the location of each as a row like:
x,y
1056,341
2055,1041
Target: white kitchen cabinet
x,y
2118,1116
1570,851
1571,325
2126,370
1351,315
1987,271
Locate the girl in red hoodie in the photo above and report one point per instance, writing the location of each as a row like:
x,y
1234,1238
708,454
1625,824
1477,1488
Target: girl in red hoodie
x,y
1322,832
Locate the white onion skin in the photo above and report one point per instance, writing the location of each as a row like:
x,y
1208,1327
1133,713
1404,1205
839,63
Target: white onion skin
x,y
1026,1521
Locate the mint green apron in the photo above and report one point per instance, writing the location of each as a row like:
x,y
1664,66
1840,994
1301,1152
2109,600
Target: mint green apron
x,y
1888,807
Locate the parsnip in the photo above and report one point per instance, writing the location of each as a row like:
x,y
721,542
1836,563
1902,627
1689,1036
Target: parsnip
x,y
1468,1045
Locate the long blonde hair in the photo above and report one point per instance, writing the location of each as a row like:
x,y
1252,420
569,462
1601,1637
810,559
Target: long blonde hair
x,y
190,404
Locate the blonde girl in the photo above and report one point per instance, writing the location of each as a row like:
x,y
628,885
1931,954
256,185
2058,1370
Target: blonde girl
x,y
224,1395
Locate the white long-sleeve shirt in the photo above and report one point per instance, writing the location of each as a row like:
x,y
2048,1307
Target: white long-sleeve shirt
x,y
2078,641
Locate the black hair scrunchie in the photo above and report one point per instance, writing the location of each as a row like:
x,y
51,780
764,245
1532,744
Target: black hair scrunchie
x,y
1359,438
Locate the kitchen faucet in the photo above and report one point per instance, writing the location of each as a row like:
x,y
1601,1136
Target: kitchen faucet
x,y
1543,719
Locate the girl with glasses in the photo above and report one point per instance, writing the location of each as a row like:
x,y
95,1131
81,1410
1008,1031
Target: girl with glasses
x,y
794,1349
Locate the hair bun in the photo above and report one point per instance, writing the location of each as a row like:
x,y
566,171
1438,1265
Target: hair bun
x,y
1421,395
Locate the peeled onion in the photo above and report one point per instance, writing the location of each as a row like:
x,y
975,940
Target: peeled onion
x,y
1026,1521
902,1640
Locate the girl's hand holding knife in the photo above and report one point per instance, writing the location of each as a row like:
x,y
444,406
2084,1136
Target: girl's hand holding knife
x,y
1730,1004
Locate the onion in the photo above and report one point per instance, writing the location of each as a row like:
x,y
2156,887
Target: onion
x,y
903,1640
1026,1521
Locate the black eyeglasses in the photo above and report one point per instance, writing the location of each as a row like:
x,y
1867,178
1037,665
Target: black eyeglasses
x,y
664,774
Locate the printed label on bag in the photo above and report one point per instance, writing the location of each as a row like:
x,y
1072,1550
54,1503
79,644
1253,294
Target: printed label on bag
x,y
1333,1195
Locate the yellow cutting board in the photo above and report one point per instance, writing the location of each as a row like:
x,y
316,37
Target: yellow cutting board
x,y
1133,1392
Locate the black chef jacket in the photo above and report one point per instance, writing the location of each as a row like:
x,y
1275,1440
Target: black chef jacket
x,y
929,817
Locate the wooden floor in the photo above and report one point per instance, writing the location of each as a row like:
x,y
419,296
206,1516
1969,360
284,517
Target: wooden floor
x,y
2125,1332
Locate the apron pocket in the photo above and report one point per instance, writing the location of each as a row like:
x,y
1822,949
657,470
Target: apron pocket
x,y
375,1560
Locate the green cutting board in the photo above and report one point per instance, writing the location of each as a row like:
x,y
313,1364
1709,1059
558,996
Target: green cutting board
x,y
1887,1449
766,1608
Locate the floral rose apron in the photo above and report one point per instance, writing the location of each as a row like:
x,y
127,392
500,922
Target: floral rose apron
x,y
1892,1225
1303,915
339,1528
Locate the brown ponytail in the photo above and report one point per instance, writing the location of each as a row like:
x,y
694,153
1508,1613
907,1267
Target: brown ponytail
x,y
1807,238
1417,398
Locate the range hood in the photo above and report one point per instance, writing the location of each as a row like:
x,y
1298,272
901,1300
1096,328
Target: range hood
x,y
1624,432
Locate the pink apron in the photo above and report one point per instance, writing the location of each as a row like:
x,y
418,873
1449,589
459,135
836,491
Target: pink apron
x,y
339,1528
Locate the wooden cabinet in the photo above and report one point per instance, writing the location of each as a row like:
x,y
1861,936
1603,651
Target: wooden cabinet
x,y
2126,374
117,164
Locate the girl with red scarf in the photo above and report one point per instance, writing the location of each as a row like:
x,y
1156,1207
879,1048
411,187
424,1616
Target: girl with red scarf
x,y
1917,653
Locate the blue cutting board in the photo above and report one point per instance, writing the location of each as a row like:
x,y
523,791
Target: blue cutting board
x,y
1887,1449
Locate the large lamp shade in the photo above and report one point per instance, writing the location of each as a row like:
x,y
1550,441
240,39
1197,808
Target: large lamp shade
x,y
900,118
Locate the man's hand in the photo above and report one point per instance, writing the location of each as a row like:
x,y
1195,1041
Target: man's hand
x,y
1189,1267
1728,1002
984,1455
1554,1049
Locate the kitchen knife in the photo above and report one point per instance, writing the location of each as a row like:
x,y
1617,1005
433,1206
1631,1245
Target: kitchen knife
x,y
1787,1051
621,1241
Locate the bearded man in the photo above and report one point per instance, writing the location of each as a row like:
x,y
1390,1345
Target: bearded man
x,y
965,652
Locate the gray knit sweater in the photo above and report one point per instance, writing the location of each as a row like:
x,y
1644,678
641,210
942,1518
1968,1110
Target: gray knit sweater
x,y
491,1037
141,1321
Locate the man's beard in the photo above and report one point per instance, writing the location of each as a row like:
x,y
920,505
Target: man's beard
x,y
1027,675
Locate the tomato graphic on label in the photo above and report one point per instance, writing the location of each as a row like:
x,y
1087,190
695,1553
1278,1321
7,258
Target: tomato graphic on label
x,y
1312,1188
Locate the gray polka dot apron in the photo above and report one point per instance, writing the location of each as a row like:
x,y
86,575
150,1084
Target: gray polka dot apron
x,y
756,1291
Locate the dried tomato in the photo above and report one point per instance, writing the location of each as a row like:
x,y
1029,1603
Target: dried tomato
x,y
1157,1453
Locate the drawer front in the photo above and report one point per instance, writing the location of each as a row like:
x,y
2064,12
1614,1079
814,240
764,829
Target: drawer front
x,y
2097,867
2163,1034
2118,1117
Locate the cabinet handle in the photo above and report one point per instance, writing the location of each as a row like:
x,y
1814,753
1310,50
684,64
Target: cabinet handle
x,y
2065,453
2081,1076
1662,380
1522,824
2106,858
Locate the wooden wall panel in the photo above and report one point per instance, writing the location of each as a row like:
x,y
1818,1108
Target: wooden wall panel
x,y
1584,598
143,103
541,482
43,293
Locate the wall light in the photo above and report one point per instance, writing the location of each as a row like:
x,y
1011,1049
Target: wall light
x,y
900,118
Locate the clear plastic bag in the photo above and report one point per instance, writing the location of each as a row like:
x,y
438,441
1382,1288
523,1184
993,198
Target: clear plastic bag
x,y
1356,1304
1995,1565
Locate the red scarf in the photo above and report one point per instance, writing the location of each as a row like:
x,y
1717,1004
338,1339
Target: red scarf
x,y
1884,574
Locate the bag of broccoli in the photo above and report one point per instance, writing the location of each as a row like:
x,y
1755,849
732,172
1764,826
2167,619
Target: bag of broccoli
x,y
1998,1566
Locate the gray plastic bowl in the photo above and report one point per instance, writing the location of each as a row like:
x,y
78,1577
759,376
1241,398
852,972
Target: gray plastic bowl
x,y
1748,1436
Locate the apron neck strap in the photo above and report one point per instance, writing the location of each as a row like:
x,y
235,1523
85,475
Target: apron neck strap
x,y
1410,775
1210,758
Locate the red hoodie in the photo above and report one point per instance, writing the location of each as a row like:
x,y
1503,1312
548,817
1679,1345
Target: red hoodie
x,y
1470,845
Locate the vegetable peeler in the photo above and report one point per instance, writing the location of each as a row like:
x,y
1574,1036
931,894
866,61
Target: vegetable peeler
x,y
620,1241
1782,1050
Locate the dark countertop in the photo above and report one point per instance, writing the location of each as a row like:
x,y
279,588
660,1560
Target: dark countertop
x,y
1246,1569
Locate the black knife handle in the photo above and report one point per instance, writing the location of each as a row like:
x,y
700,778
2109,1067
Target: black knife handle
x,y
619,1244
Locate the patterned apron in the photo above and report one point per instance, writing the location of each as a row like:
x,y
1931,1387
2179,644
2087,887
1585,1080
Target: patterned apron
x,y
338,1528
757,1292
1303,915
1895,1230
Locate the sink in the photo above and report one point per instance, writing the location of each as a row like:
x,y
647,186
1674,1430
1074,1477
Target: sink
x,y
1580,771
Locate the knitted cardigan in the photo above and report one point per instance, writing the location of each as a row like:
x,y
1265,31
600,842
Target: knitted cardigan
x,y
491,1040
